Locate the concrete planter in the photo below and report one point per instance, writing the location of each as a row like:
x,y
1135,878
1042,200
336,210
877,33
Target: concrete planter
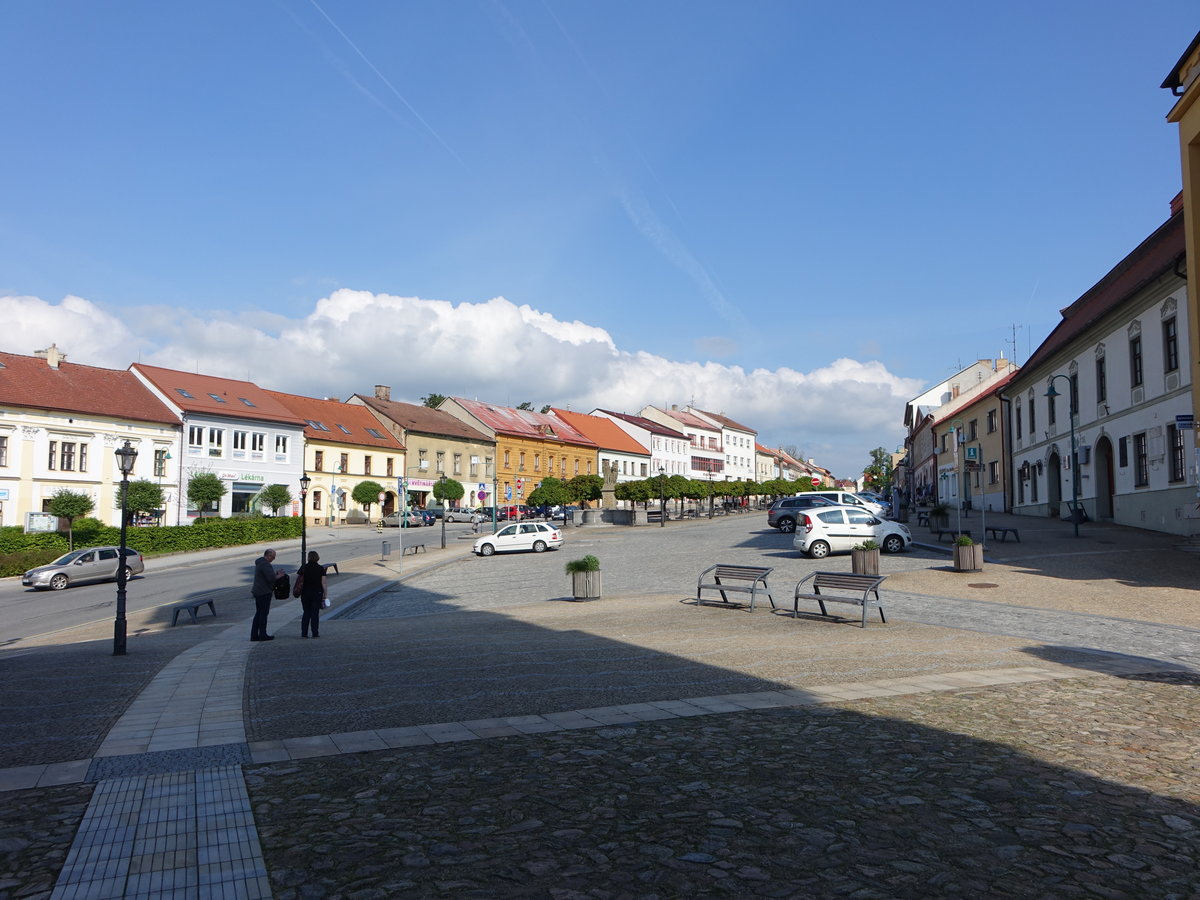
x,y
864,562
968,559
585,585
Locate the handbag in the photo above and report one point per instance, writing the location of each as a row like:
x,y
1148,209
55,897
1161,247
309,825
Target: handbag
x,y
325,603
283,586
299,588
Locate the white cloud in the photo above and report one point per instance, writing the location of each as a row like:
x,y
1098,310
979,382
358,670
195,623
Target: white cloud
x,y
497,350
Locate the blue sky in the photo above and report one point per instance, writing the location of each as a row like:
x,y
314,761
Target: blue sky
x,y
797,214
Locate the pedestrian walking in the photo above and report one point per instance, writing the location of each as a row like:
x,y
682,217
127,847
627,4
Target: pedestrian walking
x,y
313,589
476,518
265,576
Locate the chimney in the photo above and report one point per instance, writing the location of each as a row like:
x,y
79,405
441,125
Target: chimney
x,y
953,391
1177,203
383,392
674,407
52,355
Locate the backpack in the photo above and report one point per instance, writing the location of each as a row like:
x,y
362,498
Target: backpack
x,y
283,586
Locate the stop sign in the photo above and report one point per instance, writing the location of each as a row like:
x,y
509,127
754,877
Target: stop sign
x,y
816,480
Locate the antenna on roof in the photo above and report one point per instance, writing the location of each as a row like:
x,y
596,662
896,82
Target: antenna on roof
x,y
1013,341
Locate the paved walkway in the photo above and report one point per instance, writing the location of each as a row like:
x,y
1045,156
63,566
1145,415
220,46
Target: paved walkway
x,y
170,814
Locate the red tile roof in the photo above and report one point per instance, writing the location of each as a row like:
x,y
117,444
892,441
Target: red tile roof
x,y
690,420
30,382
606,434
413,417
337,422
523,423
1153,257
237,399
649,424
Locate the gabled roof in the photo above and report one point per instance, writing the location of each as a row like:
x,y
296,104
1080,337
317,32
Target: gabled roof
x,y
689,420
723,421
649,424
32,383
217,396
336,422
524,423
965,401
1152,258
413,417
606,433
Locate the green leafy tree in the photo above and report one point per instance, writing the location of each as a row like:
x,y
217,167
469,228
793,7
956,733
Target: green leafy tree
x,y
274,497
448,490
69,505
545,409
585,488
526,405
203,490
551,492
433,401
878,475
144,498
637,491
366,493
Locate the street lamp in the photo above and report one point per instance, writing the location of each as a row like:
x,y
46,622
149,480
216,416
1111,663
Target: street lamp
x,y
126,457
662,497
305,481
1052,393
710,494
442,482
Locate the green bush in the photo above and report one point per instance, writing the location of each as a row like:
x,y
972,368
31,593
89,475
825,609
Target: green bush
x,y
588,564
866,545
964,541
19,563
155,540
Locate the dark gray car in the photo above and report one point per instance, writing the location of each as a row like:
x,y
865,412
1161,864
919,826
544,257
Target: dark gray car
x,y
783,513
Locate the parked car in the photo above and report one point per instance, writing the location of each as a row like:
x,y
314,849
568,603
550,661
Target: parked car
x,y
836,529
850,498
436,509
535,536
87,564
515,513
427,516
415,520
783,513
462,514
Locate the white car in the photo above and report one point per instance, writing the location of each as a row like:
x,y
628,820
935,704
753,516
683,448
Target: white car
x,y
836,529
535,536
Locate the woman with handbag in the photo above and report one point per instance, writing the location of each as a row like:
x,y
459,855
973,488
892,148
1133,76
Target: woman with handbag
x,y
312,590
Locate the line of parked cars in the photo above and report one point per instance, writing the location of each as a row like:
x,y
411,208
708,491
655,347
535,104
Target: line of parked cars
x,y
827,522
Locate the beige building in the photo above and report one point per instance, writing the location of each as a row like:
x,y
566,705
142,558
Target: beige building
x,y
436,444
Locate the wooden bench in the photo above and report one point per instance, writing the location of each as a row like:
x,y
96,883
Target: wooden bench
x,y
861,585
1001,534
952,532
737,579
333,566
414,548
191,608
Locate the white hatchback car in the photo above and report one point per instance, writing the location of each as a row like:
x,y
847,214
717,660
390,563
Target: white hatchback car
x,y
535,536
833,529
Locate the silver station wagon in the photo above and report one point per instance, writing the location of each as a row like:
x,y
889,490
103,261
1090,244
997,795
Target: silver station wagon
x,y
87,564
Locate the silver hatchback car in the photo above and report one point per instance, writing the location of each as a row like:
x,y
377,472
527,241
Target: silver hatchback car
x,y
88,564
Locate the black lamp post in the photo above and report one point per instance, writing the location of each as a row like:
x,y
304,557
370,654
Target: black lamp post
x,y
442,500
126,457
305,481
1052,393
662,497
710,495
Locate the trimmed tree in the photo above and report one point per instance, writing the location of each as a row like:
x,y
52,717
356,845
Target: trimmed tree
x,y
69,505
448,490
275,497
144,498
366,493
585,488
551,492
204,488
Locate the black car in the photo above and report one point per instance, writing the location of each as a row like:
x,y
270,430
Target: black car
x,y
783,513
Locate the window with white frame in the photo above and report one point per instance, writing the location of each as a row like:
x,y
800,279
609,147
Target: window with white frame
x,y
258,444
240,443
216,442
281,448
195,440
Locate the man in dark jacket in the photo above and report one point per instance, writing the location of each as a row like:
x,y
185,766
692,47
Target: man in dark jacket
x,y
265,576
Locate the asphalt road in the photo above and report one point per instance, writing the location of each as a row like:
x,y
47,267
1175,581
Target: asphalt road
x,y
26,613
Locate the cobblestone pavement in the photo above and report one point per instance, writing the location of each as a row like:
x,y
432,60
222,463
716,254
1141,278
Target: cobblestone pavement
x,y
1080,788
1077,787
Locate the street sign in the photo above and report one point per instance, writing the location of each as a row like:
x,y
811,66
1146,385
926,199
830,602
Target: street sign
x,y
508,492
1183,422
382,496
816,481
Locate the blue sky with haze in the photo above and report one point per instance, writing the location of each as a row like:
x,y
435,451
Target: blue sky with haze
x,y
797,214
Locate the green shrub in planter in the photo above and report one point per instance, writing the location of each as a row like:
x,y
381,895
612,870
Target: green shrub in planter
x,y
866,545
588,564
963,540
